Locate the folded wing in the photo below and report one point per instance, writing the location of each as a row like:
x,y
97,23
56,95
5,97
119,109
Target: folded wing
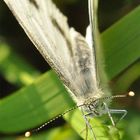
x,y
63,48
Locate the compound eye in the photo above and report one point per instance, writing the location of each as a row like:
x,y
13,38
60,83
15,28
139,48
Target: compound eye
x,y
102,105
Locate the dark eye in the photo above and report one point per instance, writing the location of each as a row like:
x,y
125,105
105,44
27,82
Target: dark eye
x,y
102,105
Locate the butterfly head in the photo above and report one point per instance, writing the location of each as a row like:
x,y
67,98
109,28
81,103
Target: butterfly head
x,y
95,107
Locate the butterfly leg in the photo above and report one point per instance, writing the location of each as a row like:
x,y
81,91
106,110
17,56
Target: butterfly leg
x,y
118,111
109,114
88,125
115,111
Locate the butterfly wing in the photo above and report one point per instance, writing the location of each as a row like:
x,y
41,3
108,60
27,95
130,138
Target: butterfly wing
x,y
93,37
63,48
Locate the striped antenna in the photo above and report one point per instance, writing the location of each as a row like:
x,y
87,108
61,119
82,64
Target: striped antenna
x,y
29,133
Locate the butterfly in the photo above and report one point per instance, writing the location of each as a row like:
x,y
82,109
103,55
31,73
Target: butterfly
x,y
73,57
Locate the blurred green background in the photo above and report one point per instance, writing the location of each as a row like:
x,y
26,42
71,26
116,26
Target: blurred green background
x,y
24,84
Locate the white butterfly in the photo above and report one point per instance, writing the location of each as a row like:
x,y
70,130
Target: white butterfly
x,y
71,55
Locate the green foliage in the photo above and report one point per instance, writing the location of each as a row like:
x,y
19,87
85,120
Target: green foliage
x,y
43,97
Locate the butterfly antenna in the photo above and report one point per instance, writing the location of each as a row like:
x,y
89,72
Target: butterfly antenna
x,y
129,94
29,133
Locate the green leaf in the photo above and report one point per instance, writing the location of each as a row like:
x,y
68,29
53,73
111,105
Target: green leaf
x,y
102,131
33,104
127,78
121,43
